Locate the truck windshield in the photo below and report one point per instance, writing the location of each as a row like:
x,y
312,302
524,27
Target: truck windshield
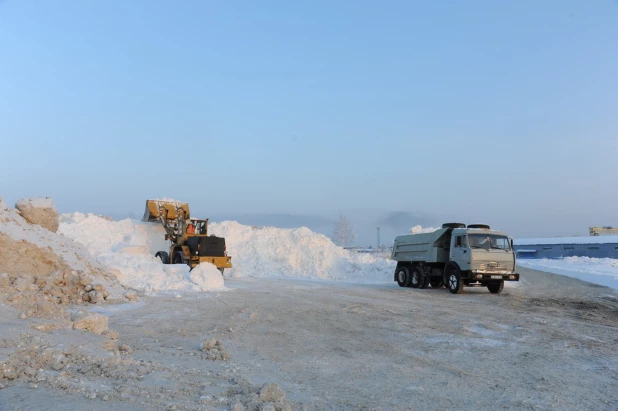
x,y
488,241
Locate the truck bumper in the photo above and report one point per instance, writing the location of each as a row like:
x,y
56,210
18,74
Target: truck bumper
x,y
494,277
219,262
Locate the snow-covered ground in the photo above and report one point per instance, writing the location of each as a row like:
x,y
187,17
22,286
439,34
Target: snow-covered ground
x,y
602,271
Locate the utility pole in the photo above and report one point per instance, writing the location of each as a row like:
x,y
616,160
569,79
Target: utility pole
x,y
379,237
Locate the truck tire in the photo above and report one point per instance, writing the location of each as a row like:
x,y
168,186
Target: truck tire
x,y
416,279
455,284
403,277
495,288
165,257
424,280
179,258
436,282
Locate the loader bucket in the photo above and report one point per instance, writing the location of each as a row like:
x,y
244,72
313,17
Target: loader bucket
x,y
168,209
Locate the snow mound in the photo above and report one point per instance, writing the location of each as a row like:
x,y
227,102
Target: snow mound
x,y
127,248
67,252
207,276
278,252
417,229
602,271
38,202
39,210
41,269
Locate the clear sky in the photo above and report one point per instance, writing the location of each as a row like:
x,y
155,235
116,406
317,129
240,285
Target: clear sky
x,y
289,112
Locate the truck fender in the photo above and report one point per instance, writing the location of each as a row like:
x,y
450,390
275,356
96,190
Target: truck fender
x,y
446,268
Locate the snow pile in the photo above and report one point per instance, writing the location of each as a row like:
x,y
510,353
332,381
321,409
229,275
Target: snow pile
x,y
207,276
568,240
39,210
64,252
128,249
417,229
278,252
602,271
42,270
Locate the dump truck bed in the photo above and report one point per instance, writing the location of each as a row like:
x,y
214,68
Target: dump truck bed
x,y
427,247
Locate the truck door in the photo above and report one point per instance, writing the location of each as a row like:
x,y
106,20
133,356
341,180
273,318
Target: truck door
x,y
460,253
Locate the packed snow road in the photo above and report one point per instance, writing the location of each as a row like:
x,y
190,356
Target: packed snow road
x,y
549,343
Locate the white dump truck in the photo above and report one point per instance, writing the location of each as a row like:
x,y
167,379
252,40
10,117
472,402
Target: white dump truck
x,y
455,256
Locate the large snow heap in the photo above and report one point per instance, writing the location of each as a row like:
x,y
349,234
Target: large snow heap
x,y
279,252
128,247
41,269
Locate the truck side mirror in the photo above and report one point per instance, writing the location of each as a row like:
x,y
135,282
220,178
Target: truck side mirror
x,y
511,243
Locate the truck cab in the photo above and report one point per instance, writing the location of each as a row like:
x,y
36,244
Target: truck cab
x,y
482,253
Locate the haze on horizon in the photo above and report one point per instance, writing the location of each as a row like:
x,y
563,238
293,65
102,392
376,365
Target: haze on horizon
x,y
289,113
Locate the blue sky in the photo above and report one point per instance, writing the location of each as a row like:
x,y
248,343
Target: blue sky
x,y
289,112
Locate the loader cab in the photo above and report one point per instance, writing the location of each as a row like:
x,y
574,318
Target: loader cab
x,y
197,227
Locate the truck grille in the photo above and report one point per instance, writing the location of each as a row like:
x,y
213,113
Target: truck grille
x,y
493,266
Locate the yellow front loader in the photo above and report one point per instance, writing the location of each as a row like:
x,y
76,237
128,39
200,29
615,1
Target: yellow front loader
x,y
189,240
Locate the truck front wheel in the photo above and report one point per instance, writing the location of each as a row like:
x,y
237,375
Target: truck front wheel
x,y
495,288
403,277
454,283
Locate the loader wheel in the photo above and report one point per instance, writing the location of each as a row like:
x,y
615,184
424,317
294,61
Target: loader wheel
x,y
436,282
403,277
165,257
179,258
455,284
495,288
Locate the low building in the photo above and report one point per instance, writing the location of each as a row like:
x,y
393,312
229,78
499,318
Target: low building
x,y
560,247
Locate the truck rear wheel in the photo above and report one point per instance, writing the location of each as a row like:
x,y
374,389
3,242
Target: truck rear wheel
x,y
165,257
424,281
436,282
455,284
416,280
403,277
495,288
